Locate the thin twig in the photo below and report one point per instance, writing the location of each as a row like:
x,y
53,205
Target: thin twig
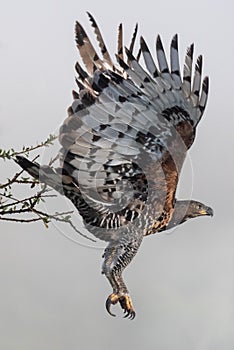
x,y
20,220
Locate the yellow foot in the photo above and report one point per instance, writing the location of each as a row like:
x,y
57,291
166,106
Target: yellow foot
x,y
125,302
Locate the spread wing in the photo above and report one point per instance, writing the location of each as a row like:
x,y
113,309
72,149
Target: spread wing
x,y
128,130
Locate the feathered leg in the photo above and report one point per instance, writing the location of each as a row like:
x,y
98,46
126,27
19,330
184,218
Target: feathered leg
x,y
117,256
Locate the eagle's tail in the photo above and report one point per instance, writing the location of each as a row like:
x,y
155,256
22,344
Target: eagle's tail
x,y
43,173
64,184
32,168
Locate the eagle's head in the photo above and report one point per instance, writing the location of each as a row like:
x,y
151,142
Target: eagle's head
x,y
188,209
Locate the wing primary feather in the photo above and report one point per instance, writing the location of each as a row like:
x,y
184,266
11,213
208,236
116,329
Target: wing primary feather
x,y
162,61
149,62
204,97
86,49
197,81
131,47
174,57
187,73
100,40
120,41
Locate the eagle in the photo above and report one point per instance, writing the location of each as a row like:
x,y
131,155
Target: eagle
x,y
123,144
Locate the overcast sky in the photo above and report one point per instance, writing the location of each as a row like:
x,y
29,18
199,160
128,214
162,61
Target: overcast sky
x,y
52,293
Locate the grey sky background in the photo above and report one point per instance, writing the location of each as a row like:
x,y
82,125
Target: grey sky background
x,y
52,293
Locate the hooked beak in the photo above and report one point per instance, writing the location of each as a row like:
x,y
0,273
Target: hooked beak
x,y
208,211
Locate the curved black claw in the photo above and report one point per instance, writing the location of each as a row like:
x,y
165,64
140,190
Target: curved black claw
x,y
127,306
125,302
110,302
130,314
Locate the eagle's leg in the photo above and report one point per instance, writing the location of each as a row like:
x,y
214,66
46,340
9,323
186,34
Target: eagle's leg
x,y
116,257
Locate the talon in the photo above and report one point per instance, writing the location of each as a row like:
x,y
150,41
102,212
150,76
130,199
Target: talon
x,y
111,300
125,303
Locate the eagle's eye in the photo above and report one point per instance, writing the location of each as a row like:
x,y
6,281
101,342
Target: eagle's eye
x,y
198,206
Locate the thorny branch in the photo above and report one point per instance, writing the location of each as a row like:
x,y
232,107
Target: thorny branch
x,y
27,209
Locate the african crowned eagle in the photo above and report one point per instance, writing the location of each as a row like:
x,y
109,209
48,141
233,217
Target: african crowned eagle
x,y
124,142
